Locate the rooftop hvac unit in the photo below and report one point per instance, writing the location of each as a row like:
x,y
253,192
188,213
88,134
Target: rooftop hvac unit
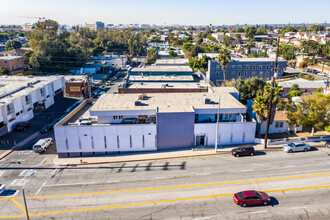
x,y
207,101
143,97
138,103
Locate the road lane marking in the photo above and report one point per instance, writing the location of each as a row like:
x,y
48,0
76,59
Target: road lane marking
x,y
299,207
50,176
18,182
263,211
250,170
202,174
113,181
71,184
173,187
19,205
155,202
26,173
160,177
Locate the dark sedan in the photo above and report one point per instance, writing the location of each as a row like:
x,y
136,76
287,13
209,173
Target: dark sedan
x,y
22,126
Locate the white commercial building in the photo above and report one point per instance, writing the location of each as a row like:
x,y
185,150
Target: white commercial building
x,y
20,96
157,121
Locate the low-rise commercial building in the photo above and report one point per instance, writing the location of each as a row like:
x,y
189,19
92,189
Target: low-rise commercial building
x,y
21,96
306,86
244,68
133,122
161,73
15,64
174,87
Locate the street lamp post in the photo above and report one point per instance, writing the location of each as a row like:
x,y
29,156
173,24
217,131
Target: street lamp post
x,y
26,209
217,128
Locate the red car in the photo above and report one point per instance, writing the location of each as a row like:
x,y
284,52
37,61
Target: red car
x,y
251,197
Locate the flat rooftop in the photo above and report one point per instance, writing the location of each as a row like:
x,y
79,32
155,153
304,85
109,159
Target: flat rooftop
x,y
161,68
12,87
10,57
161,78
151,85
171,62
303,83
168,102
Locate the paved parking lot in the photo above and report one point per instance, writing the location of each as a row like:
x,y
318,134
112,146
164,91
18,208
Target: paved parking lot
x,y
48,115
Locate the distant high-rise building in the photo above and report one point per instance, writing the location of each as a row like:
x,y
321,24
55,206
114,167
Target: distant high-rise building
x,y
95,26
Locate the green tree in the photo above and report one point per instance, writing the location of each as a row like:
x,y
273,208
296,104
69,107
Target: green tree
x,y
295,93
227,40
240,30
260,108
13,44
290,29
316,28
4,71
155,39
152,55
277,98
238,39
313,111
224,58
250,32
172,53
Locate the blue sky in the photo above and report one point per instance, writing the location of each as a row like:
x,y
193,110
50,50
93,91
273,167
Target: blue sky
x,y
167,11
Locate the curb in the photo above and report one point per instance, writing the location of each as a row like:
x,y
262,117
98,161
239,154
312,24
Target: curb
x,y
166,158
127,161
11,150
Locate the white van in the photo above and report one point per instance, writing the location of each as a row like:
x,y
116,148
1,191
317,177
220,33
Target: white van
x,y
42,145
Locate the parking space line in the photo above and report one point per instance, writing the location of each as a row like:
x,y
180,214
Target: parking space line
x,y
19,205
171,187
156,202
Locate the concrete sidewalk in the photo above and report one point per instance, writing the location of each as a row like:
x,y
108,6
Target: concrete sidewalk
x,y
160,155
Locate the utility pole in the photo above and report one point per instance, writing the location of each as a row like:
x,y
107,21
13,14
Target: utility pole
x,y
270,104
89,87
217,128
26,209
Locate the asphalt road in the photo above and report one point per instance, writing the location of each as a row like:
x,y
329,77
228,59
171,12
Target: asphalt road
x,y
187,188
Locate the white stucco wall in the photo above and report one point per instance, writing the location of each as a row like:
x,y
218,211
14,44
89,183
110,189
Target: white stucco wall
x,y
229,132
72,135
274,130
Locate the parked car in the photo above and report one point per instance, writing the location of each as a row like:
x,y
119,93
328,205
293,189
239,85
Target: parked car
x,y
42,145
2,188
46,128
101,93
251,197
103,87
23,125
327,144
296,146
243,151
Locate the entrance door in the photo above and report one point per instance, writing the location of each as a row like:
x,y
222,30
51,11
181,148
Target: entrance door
x,y
200,140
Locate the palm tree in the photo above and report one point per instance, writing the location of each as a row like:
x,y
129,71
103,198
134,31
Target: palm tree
x,y
224,58
326,52
260,108
277,98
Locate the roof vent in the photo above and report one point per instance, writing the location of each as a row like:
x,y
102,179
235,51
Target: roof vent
x,y
207,101
137,103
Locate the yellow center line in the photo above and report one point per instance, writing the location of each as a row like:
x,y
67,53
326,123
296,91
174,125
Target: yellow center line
x,y
19,205
155,202
173,187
